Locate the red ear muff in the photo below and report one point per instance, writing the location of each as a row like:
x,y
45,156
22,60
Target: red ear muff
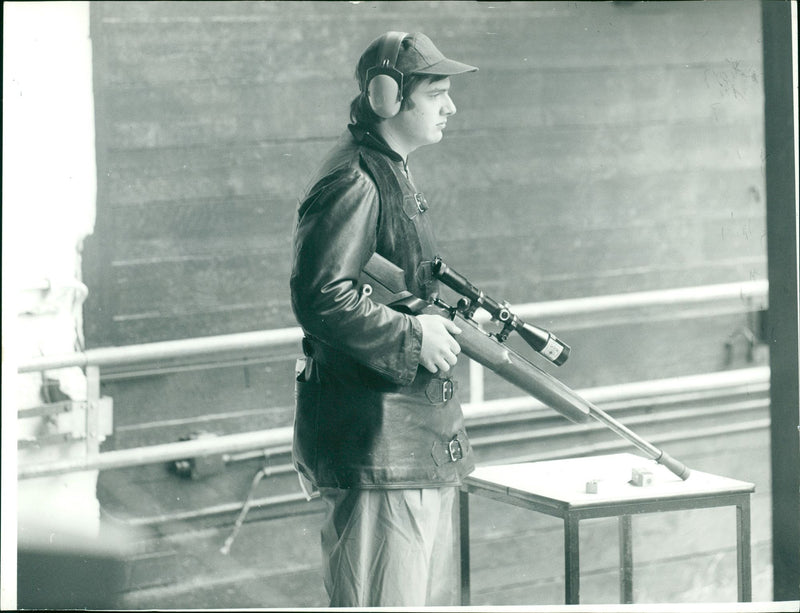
x,y
383,82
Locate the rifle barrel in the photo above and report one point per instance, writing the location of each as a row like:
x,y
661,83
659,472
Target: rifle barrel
x,y
488,351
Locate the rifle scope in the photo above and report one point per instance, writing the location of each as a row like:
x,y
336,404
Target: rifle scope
x,y
543,341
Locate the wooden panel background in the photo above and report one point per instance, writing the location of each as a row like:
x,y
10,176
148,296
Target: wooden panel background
x,y
601,148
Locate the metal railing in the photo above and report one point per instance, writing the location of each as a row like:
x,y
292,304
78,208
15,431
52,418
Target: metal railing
x,y
744,297
149,352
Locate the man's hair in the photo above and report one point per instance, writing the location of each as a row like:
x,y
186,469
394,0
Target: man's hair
x,y
361,112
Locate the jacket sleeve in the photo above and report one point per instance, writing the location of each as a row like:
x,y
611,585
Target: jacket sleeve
x,y
336,234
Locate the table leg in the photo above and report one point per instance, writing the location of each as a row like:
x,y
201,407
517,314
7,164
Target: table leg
x,y
625,560
743,549
572,567
463,514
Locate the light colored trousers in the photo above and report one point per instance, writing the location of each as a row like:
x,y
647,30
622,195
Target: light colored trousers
x,y
391,548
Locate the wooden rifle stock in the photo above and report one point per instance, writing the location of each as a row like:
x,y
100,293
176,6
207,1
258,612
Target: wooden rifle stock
x,y
386,281
503,360
507,363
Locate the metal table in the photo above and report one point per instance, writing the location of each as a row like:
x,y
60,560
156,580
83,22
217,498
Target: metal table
x,y
559,488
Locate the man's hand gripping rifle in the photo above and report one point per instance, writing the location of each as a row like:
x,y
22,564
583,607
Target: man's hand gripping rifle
x,y
385,283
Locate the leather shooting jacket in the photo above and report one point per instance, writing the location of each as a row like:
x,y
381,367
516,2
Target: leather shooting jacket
x,y
367,414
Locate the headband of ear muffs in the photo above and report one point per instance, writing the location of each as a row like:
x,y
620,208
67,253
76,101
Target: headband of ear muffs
x,y
383,83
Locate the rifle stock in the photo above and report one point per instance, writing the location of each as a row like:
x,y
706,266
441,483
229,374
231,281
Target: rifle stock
x,y
503,360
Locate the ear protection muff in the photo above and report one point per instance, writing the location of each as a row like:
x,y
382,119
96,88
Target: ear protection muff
x,y
383,83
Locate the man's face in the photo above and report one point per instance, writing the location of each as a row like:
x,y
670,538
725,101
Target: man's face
x,y
424,115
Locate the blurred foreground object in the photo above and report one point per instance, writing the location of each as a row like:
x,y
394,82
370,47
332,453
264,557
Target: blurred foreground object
x,y
67,570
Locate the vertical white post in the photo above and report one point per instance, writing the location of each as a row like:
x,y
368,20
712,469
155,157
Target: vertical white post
x,y
476,374
92,410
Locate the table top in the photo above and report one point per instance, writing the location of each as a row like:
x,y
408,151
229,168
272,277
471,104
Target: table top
x,y
563,483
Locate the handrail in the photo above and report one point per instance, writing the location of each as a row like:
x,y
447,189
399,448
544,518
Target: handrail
x,y
211,345
92,359
266,440
282,437
130,354
669,297
754,376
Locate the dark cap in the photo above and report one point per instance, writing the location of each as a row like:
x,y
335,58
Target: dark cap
x,y
418,55
422,57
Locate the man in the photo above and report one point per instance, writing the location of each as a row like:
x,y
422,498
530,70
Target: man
x,y
378,428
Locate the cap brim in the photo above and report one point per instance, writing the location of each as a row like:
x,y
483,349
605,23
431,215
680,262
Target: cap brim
x,y
446,67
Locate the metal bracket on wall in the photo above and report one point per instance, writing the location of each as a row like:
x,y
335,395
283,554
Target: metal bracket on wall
x,y
749,338
62,422
201,466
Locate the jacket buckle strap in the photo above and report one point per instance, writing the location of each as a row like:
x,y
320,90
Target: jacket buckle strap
x,y
440,390
447,389
454,450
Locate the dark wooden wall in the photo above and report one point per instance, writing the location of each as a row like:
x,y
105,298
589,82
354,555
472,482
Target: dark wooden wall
x,y
602,147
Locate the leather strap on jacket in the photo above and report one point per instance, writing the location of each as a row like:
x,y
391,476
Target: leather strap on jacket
x,y
397,191
452,450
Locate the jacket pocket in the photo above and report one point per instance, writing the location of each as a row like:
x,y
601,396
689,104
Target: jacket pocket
x,y
307,395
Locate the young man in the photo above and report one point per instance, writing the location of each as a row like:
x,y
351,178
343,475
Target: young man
x,y
378,428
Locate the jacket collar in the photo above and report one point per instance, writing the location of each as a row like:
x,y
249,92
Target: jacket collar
x,y
366,138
